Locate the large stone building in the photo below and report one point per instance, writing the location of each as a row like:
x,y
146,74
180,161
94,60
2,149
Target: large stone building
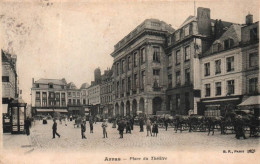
x,y
49,96
184,47
106,93
139,68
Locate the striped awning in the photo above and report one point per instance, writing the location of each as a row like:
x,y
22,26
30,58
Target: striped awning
x,y
61,110
44,110
252,100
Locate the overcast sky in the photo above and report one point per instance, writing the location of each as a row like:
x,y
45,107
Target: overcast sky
x,y
65,39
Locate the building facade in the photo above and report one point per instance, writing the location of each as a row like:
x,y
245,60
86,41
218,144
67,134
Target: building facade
x,y
74,99
49,96
106,93
140,69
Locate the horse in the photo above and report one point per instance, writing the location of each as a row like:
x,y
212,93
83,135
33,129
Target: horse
x,y
180,120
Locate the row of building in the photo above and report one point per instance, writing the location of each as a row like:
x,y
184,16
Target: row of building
x,y
204,65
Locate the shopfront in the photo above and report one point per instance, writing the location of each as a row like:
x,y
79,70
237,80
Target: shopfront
x,y
18,116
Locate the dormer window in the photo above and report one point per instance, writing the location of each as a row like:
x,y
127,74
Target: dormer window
x,y
37,85
216,47
177,36
228,43
50,85
187,31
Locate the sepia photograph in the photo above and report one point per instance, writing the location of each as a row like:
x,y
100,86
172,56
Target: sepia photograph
x,y
129,81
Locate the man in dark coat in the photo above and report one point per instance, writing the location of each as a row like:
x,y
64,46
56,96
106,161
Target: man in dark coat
x,y
83,129
54,129
27,126
121,127
91,126
240,127
141,123
166,123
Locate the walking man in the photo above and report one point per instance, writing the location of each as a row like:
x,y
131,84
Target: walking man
x,y
83,129
141,123
91,126
166,124
104,126
121,127
27,126
54,129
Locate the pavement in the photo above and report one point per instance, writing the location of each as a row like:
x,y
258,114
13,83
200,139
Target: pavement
x,y
40,141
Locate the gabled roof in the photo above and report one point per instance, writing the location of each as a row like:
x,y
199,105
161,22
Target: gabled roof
x,y
53,81
188,20
233,32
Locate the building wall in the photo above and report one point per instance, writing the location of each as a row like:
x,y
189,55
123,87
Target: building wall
x,y
74,95
224,76
94,95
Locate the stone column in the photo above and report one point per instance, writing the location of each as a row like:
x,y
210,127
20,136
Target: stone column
x,y
148,106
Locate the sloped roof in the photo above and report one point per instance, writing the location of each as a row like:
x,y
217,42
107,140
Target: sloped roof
x,y
53,81
84,86
188,20
233,32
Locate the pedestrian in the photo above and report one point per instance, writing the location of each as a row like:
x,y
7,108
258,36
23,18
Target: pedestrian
x,y
91,126
27,126
54,129
141,123
240,127
132,123
128,127
166,124
148,127
83,130
70,117
104,127
114,123
121,127
155,129
60,120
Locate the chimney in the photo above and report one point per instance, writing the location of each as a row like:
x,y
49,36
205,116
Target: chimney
x,y
32,81
249,19
204,24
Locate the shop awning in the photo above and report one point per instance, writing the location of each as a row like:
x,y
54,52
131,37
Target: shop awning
x,y
61,110
4,108
221,100
44,110
252,100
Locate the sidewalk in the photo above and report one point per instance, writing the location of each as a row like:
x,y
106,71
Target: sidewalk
x,y
17,143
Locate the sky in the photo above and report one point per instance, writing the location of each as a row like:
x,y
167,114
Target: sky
x,y
68,39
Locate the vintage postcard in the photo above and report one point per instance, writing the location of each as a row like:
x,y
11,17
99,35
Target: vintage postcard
x,y
130,81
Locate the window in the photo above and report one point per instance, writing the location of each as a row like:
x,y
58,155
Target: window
x,y
57,96
143,55
37,85
143,79
187,53
5,78
178,57
178,101
187,76
230,87
51,95
117,69
78,101
170,81
156,54
253,34
50,85
207,89
135,59
178,78
123,85
44,95
129,62
253,60
63,95
44,102
128,84
177,36
156,72
69,102
187,101
74,94
117,89
62,87
229,43
230,64
187,31
69,93
38,95
78,94
207,69
218,88
253,85
74,101
217,67
216,47
123,66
